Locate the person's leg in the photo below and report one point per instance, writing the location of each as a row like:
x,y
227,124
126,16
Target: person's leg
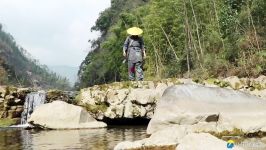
x,y
139,71
131,70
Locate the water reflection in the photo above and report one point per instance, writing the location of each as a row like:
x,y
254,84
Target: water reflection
x,y
93,139
10,139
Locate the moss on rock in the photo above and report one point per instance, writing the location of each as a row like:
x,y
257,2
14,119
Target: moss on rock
x,y
54,94
100,107
8,122
77,99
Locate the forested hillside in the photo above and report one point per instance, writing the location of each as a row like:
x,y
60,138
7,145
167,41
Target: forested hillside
x,y
19,69
184,38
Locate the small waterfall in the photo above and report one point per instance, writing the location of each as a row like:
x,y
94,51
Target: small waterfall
x,y
32,101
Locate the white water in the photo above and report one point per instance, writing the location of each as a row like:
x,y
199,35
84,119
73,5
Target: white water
x,y
32,101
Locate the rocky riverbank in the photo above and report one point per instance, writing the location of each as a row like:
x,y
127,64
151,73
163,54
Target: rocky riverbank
x,y
189,116
12,101
121,102
11,104
129,100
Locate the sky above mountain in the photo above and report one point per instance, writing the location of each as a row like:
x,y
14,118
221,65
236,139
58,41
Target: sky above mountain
x,y
56,32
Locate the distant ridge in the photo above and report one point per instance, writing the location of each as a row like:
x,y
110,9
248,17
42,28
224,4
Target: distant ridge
x,y
18,68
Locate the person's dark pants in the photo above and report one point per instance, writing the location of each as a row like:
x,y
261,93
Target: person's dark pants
x,y
135,70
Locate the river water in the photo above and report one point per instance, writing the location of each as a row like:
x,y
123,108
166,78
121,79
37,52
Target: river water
x,y
91,139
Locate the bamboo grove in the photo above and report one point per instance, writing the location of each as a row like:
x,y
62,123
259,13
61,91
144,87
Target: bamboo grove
x,y
184,38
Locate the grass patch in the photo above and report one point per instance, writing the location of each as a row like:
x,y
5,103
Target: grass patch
x,y
212,81
7,122
235,132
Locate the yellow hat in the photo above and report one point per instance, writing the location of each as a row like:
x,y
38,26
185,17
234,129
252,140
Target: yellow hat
x,y
134,31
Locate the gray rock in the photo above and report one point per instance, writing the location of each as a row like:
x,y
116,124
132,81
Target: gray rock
x,y
9,97
179,138
136,95
111,97
136,111
263,139
114,97
203,141
60,115
160,89
13,107
19,109
234,82
151,85
142,97
259,93
2,91
2,100
114,111
142,111
261,80
212,109
186,81
167,137
17,100
128,110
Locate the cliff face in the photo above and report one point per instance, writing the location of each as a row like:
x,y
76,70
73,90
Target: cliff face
x,y
129,100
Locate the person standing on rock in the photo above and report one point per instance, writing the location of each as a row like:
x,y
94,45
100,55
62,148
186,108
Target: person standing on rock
x,y
134,52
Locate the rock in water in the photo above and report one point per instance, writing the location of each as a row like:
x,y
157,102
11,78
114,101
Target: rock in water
x,y
177,139
203,141
209,109
60,115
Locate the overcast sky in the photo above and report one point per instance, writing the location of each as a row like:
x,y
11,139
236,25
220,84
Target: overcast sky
x,y
56,32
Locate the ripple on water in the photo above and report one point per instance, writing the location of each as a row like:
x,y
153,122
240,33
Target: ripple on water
x,y
98,139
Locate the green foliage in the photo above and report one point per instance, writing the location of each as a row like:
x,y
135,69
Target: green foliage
x,y
195,38
18,68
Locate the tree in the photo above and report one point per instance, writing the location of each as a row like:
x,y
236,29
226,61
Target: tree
x,y
197,38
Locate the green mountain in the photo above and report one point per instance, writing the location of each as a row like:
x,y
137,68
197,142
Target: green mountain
x,y
19,69
184,38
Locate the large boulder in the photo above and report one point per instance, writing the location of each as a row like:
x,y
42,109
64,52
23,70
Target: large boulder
x,y
209,109
60,115
164,139
203,141
234,82
129,100
176,138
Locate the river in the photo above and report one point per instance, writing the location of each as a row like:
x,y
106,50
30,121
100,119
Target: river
x,y
91,139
